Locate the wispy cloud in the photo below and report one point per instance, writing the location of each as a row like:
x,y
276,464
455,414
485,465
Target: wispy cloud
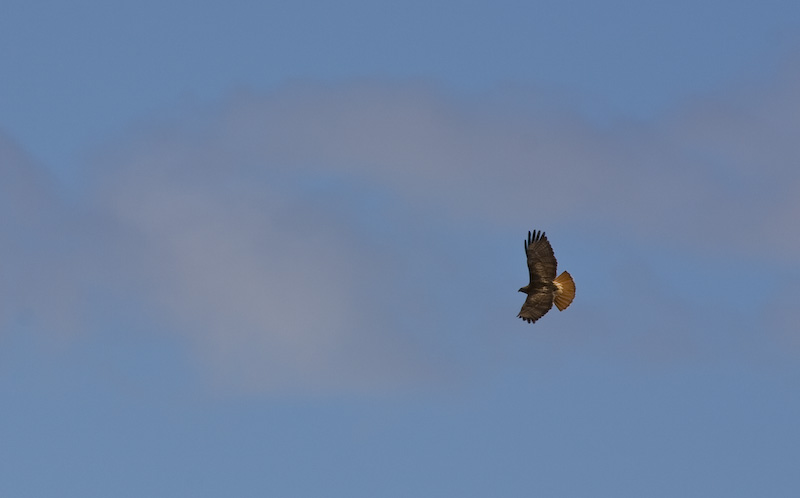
x,y
713,168
331,237
38,275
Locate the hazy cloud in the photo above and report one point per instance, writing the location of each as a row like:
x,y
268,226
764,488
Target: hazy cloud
x,y
708,172
334,237
39,288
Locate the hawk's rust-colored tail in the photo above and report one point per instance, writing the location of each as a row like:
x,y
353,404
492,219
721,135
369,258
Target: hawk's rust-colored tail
x,y
565,291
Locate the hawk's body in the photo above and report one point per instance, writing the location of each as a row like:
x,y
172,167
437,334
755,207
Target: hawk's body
x,y
544,288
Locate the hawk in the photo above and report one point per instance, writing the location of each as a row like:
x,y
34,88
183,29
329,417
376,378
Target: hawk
x,y
544,288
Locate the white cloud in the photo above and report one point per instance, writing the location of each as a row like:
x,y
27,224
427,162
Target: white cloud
x,y
309,239
704,175
276,287
253,247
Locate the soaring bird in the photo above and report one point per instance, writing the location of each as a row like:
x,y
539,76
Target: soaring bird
x,y
544,288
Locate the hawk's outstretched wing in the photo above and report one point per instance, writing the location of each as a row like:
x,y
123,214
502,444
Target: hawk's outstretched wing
x,y
541,260
542,269
536,305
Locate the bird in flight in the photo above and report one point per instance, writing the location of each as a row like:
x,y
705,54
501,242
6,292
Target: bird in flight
x,y
544,288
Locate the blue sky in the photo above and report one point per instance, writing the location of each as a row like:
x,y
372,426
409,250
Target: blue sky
x,y
256,249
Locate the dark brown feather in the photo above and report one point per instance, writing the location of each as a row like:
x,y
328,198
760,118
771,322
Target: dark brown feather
x,y
541,260
536,305
542,269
